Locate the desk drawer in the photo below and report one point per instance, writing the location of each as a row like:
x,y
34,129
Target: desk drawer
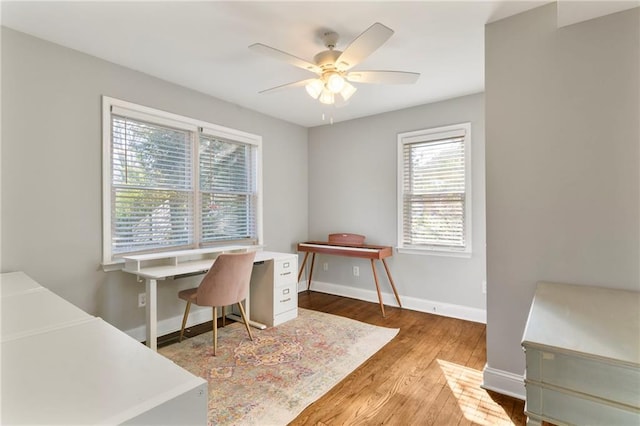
x,y
285,272
285,298
285,316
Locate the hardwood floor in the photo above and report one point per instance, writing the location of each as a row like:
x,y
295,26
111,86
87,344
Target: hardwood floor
x,y
430,374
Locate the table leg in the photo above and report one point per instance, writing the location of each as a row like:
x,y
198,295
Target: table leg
x,y
252,323
313,260
375,277
151,288
393,286
304,262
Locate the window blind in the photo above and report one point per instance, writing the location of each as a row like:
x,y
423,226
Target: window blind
x,y
434,191
152,186
228,190
172,182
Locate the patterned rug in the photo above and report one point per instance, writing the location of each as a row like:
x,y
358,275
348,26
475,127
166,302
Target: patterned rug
x,y
274,378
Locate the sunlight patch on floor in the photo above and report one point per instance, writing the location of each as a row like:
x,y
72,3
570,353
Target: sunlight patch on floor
x,y
474,402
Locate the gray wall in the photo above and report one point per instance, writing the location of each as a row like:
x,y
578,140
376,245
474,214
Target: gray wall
x,y
563,184
51,171
352,187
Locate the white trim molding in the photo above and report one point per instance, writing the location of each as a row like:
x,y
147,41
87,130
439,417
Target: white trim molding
x,y
421,305
169,325
503,382
436,136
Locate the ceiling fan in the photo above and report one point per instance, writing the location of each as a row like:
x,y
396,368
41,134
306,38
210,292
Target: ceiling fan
x,y
333,67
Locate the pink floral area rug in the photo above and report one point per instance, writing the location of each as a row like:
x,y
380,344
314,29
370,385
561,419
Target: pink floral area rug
x,y
274,378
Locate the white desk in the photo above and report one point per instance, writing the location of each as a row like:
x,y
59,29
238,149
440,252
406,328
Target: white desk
x,y
62,366
160,266
582,347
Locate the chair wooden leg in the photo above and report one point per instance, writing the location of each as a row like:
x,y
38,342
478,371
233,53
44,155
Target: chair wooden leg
x,y
215,330
224,317
184,319
244,318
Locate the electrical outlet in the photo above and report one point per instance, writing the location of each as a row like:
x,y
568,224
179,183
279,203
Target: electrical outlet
x,y
325,266
356,271
142,300
484,286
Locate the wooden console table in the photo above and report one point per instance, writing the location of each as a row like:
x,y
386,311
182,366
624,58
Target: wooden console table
x,y
350,245
582,348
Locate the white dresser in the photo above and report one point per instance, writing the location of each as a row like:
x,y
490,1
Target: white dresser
x,y
62,366
274,288
582,348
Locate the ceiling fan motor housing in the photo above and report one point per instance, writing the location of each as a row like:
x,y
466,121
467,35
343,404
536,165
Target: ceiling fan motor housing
x,y
327,59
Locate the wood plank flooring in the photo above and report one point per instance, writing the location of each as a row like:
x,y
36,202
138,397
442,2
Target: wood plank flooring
x,y
430,374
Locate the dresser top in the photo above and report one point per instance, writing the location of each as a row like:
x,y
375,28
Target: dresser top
x,y
596,322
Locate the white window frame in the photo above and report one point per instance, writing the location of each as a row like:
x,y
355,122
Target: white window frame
x,y
160,117
426,135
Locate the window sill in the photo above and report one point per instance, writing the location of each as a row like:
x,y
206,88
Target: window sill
x,y
433,252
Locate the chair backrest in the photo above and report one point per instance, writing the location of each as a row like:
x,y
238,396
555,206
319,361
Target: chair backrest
x,y
227,282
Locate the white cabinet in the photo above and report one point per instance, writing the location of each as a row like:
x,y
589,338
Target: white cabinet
x,y
274,289
582,349
62,366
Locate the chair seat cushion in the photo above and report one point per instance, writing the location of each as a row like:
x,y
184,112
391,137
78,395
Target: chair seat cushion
x,y
189,295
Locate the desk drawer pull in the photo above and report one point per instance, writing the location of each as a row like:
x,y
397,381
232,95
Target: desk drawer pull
x,y
285,300
285,273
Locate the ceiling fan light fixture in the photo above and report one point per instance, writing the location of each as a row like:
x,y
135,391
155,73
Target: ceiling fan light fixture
x,y
347,91
315,88
335,82
333,67
326,97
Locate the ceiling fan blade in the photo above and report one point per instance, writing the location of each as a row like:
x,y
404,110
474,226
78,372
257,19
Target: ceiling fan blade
x,y
364,45
288,85
383,77
284,56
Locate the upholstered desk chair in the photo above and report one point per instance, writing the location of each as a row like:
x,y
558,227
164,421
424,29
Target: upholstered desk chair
x,y
226,283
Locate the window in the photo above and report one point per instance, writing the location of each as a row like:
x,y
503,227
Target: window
x,y
434,201
171,182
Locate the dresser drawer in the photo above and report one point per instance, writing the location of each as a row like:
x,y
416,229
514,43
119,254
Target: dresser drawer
x,y
616,383
562,407
285,298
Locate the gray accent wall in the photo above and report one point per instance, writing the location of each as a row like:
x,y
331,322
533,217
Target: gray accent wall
x,y
352,187
562,148
52,166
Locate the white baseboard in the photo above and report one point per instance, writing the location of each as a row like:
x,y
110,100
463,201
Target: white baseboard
x,y
172,324
503,382
412,303
169,325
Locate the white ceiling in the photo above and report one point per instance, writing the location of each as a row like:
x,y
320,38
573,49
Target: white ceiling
x,y
204,46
